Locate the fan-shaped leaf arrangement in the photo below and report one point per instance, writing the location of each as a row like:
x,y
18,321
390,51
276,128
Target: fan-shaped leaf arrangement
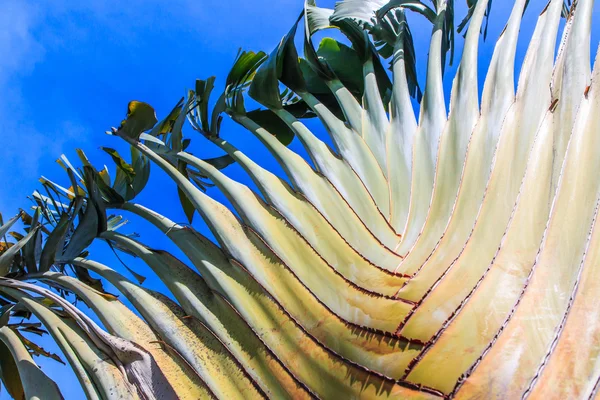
x,y
455,255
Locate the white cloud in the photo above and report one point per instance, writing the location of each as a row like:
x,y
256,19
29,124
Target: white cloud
x,y
22,146
19,48
20,52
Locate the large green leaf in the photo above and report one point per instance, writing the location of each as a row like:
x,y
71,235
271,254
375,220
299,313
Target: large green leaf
x,y
9,224
10,373
272,123
35,383
239,78
140,117
54,242
6,257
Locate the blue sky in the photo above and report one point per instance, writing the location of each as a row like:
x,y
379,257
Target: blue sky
x,y
68,70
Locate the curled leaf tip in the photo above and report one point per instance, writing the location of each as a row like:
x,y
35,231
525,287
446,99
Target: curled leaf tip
x,y
140,117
